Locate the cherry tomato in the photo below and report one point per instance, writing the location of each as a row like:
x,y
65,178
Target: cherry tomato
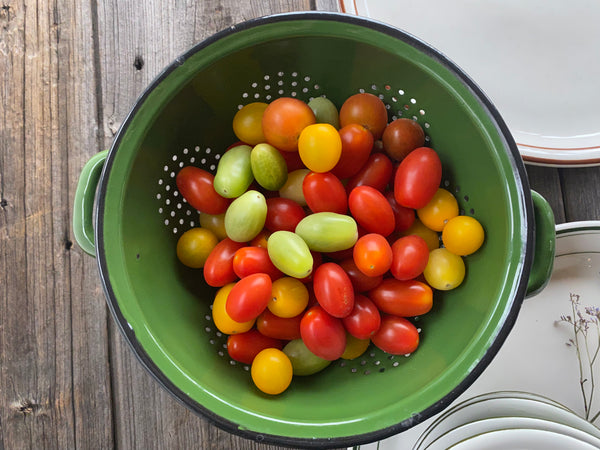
x,y
333,289
260,240
284,328
440,209
373,254
410,256
377,172
218,268
367,110
445,270
289,297
324,192
292,188
194,246
283,121
355,347
271,371
323,334
430,236
396,336
418,178
283,214
224,323
292,160
357,143
214,223
196,186
243,347
250,260
371,210
402,136
364,320
249,297
402,298
360,281
247,123
463,235
404,217
303,360
320,147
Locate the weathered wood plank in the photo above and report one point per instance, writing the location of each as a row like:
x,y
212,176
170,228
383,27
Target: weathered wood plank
x,y
581,191
546,181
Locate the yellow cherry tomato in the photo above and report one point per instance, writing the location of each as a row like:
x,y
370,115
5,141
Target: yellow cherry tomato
x,y
194,246
289,297
440,209
214,223
355,347
444,270
221,319
463,235
320,147
271,371
247,123
430,236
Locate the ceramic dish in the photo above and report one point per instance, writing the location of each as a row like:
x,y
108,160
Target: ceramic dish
x,y
523,439
533,59
535,357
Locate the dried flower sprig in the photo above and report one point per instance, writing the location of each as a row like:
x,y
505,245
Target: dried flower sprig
x,y
586,340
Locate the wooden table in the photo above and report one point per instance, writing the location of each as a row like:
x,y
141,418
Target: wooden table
x,y
69,72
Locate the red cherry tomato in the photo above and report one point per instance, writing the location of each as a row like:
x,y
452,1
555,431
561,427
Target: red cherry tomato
x,y
243,347
323,334
396,336
357,143
283,121
402,136
284,328
292,160
324,192
364,320
404,217
418,178
333,289
283,214
218,268
249,260
196,186
360,281
402,298
371,210
367,110
377,172
373,254
410,257
249,297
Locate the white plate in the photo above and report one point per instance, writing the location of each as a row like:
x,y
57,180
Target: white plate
x,y
522,439
535,356
537,60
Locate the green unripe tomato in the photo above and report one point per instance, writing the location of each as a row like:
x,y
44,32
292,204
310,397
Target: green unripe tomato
x,y
290,254
268,167
325,111
234,172
328,231
304,362
246,216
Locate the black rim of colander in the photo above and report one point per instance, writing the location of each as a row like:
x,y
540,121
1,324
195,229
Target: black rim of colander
x,y
352,440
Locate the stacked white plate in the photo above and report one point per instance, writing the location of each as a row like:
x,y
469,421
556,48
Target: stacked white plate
x,y
509,420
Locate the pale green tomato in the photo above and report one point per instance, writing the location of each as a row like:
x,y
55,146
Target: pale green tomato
x,y
328,231
304,362
246,216
325,111
234,172
292,188
268,167
290,254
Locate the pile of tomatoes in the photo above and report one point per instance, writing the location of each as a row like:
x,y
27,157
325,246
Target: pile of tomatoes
x,y
321,229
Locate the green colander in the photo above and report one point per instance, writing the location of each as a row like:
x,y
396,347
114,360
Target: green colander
x,y
129,214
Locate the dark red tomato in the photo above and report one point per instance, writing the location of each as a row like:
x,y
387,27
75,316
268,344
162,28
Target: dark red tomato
x,y
367,110
373,254
410,255
277,327
371,210
364,320
292,160
357,143
360,281
402,298
404,217
396,335
323,334
333,289
283,214
196,186
340,254
243,347
218,268
402,136
317,261
377,172
324,192
418,178
249,260
249,297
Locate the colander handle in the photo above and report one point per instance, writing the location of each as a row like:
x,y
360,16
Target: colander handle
x,y
83,208
545,245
